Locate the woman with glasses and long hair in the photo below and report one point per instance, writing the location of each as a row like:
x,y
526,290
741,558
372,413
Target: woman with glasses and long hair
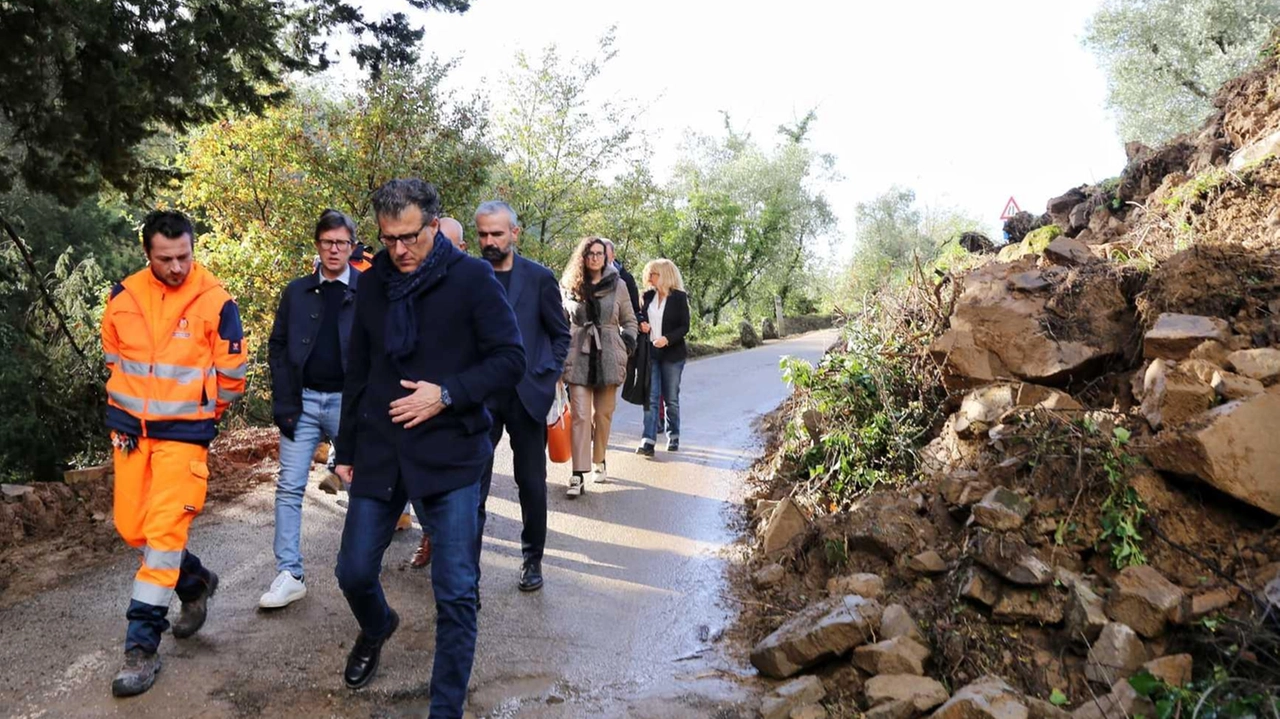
x,y
602,326
666,306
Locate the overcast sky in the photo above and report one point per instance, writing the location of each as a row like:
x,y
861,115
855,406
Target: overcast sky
x,y
967,103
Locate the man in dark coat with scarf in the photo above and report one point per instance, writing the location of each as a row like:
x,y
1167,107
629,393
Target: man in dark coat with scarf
x,y
433,338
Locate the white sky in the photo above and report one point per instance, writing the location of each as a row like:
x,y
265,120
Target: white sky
x,y
967,103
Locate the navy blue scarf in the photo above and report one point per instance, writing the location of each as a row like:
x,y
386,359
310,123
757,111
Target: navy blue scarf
x,y
402,289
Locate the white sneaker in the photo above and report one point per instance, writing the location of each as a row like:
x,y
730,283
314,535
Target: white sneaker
x,y
599,473
285,590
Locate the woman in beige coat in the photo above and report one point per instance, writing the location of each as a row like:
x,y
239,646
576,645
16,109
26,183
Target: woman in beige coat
x,y
602,326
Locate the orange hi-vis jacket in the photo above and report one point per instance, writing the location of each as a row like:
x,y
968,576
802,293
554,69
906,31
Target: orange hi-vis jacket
x,y
176,354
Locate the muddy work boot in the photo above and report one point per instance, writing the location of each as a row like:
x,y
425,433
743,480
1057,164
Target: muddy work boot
x,y
194,612
138,673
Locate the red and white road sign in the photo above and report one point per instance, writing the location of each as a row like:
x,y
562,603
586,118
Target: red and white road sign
x,y
1010,209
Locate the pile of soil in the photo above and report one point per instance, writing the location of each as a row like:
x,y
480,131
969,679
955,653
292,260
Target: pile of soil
x,y
1176,234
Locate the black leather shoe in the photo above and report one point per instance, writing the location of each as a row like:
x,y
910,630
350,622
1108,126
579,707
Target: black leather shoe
x,y
194,612
138,673
362,662
531,577
645,450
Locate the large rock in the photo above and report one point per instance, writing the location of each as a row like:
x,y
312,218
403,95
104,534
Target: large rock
x,y
981,409
768,330
784,525
922,693
1001,509
1011,558
897,622
996,333
866,585
1232,447
1174,670
1040,397
900,655
793,695
820,631
1123,702
1231,387
980,586
768,575
1171,396
927,562
747,335
1085,615
88,475
1261,364
1042,606
1067,251
1117,653
1212,351
1175,336
989,697
1144,600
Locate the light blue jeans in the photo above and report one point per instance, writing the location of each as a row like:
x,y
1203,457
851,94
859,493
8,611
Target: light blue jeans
x,y
321,412
664,384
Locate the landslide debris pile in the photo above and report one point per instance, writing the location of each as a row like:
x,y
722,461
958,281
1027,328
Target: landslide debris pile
x,y
1090,525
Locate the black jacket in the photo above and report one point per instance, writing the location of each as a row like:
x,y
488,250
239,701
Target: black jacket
x,y
632,291
468,343
534,295
293,337
636,387
675,325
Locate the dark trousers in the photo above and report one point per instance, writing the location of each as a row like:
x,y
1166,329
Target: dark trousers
x,y
451,522
529,449
148,621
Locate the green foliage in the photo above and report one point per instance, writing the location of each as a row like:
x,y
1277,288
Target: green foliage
x,y
894,232
53,398
557,144
876,402
836,552
86,84
1217,697
1122,510
259,183
1038,239
1164,59
1058,698
1197,188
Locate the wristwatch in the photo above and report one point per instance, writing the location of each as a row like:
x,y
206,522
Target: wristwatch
x,y
445,399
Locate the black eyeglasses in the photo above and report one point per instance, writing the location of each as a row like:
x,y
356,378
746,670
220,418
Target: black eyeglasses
x,y
594,255
330,244
407,240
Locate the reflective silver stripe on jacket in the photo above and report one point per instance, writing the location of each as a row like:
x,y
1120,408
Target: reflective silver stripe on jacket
x,y
132,404
239,372
226,395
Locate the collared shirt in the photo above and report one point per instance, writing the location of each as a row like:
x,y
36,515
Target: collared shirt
x,y
657,308
344,278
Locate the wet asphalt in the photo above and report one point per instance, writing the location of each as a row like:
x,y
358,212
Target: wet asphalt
x,y
627,624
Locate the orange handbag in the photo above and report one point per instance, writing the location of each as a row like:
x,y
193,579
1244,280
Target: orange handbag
x,y
559,440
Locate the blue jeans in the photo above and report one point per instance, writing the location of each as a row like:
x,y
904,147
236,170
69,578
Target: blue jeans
x,y
664,384
320,415
451,521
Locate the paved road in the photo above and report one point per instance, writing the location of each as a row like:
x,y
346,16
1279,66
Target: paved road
x,y
625,626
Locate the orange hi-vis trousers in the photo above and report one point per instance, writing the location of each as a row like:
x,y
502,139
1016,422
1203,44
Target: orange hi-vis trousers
x,y
159,488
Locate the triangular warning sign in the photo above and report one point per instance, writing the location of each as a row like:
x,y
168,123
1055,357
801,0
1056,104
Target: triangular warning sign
x,y
1010,209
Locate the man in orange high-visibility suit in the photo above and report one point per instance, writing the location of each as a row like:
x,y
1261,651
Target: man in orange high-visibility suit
x,y
175,347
